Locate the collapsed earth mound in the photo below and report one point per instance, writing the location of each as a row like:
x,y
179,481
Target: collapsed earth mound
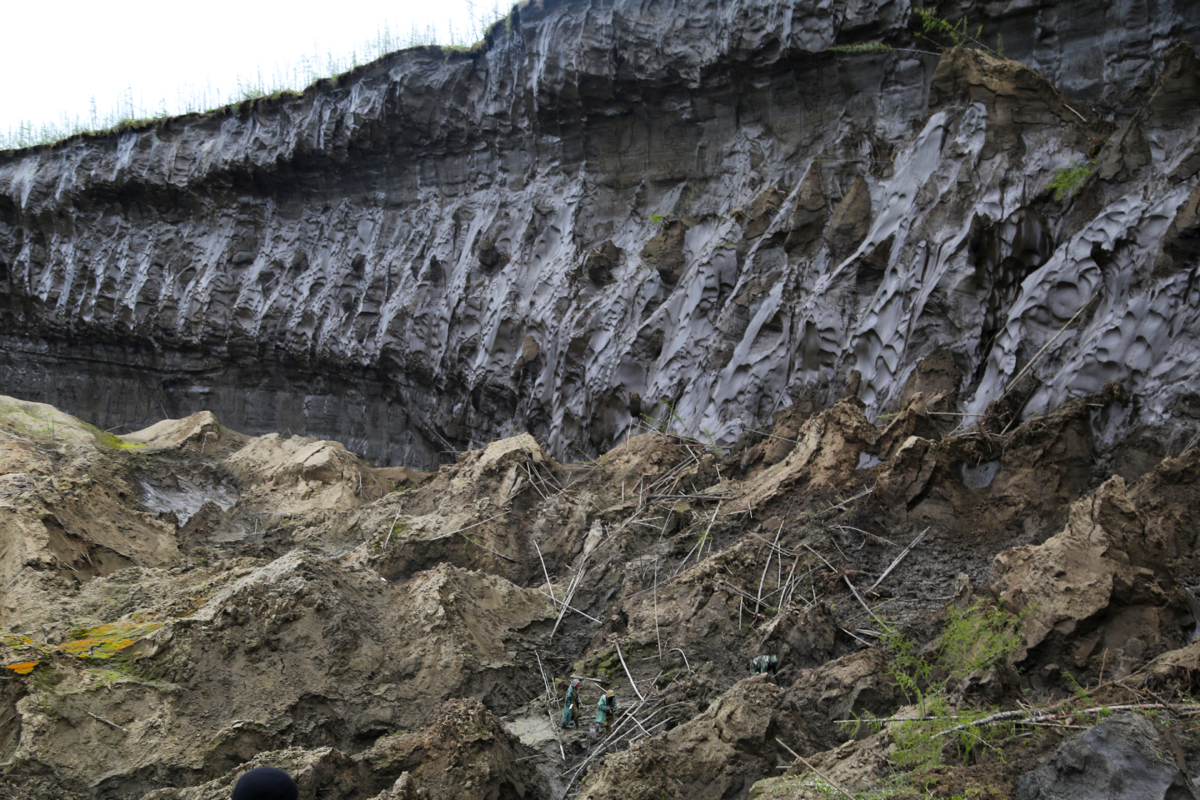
x,y
266,606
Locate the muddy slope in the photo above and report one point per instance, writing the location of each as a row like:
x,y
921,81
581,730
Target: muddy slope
x,y
388,636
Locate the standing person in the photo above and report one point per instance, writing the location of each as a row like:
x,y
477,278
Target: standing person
x,y
266,783
605,710
570,705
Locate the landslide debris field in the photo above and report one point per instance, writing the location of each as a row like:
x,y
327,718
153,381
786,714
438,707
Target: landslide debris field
x,y
186,602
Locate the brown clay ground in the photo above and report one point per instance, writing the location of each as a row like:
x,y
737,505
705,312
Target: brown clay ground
x,y
198,602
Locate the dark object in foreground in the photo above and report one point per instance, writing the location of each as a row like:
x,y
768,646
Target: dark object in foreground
x,y
764,664
266,783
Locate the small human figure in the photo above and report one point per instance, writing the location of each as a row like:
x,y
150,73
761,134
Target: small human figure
x,y
570,705
761,665
606,708
266,783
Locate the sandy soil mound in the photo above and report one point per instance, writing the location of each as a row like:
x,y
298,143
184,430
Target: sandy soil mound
x,y
272,606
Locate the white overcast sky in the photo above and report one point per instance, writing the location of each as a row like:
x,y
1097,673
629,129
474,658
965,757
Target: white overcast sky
x,y
58,56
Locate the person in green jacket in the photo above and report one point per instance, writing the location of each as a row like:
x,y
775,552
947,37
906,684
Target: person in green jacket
x,y
764,664
570,705
606,709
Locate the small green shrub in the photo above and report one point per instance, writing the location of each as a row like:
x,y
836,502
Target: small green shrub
x,y
1069,180
972,641
940,33
956,32
978,638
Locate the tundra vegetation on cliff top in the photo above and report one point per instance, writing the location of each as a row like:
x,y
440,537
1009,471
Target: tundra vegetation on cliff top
x,y
132,111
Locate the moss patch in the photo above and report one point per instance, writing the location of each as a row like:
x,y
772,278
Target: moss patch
x,y
101,642
107,640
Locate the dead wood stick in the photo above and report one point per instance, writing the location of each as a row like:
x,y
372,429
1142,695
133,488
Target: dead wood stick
x,y
15,578
552,478
722,583
557,737
1076,113
771,552
544,571
704,536
785,598
666,522
476,525
773,436
899,558
688,497
549,713
636,690
562,611
649,731
1022,717
570,608
685,661
532,481
624,524
570,594
859,598
1012,384
818,555
796,584
800,758
391,528
485,547
856,637
682,465
642,723
866,533
1025,716
637,722
662,482
550,696
778,574
570,590
107,722
534,475
685,559
845,502
657,635
899,719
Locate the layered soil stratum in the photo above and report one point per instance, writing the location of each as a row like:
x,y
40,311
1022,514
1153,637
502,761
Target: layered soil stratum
x,y
341,431
613,207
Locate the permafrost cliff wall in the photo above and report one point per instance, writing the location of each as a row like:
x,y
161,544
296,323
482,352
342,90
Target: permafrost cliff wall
x,y
618,205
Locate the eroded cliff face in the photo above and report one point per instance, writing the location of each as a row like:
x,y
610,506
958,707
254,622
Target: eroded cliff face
x,y
617,206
